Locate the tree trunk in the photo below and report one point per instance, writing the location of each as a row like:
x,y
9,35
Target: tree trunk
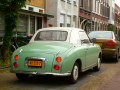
x,y
10,25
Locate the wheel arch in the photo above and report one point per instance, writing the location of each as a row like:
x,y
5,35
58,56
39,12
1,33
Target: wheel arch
x,y
100,55
79,63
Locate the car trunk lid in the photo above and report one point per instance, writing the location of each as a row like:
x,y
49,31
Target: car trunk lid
x,y
106,43
47,47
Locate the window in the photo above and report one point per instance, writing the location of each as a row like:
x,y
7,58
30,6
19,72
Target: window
x,y
62,20
81,3
68,21
1,21
74,21
2,24
22,25
39,22
84,37
98,34
32,24
30,8
74,2
63,0
68,1
51,35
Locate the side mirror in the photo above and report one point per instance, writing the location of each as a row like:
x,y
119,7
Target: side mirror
x,y
93,40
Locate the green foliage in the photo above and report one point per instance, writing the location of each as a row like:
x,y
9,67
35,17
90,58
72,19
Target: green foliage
x,y
10,9
119,18
110,27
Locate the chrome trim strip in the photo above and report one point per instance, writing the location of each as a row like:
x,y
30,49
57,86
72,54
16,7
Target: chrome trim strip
x,y
43,59
47,73
109,49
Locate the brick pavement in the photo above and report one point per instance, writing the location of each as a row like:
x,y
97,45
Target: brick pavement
x,y
113,83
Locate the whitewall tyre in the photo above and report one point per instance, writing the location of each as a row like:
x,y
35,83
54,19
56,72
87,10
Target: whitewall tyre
x,y
74,74
97,67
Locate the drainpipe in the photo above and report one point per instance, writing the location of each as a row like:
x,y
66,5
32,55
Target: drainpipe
x,y
44,6
44,18
91,15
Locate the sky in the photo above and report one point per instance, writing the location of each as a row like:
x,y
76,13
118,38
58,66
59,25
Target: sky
x,y
117,2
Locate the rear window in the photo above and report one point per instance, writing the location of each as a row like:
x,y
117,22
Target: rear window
x,y
51,35
106,35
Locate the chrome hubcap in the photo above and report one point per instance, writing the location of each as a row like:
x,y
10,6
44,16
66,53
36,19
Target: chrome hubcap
x,y
75,72
99,62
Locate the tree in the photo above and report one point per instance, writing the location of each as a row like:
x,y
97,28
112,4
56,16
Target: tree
x,y
10,8
110,27
119,18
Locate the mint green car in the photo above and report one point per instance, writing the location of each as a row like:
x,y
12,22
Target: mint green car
x,y
58,51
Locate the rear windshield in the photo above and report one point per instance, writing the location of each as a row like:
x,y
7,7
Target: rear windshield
x,y
51,35
106,35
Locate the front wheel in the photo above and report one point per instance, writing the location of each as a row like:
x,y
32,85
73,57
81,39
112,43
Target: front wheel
x,y
74,74
97,67
22,76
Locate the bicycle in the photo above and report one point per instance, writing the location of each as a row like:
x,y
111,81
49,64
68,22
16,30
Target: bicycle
x,y
16,42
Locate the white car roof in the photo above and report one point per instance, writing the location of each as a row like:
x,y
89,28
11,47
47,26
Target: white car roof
x,y
61,28
68,29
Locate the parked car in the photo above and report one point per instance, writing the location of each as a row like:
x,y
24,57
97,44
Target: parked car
x,y
57,51
108,42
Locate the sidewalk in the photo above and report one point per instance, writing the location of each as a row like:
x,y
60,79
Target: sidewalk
x,y
112,84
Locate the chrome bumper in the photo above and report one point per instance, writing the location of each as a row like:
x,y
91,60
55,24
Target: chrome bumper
x,y
47,73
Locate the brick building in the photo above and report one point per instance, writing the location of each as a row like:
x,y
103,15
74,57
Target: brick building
x,y
100,14
93,14
85,14
116,20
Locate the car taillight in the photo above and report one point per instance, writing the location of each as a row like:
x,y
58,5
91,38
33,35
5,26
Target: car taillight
x,y
56,67
58,59
111,43
16,57
15,64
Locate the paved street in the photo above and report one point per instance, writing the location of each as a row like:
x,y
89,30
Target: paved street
x,y
88,81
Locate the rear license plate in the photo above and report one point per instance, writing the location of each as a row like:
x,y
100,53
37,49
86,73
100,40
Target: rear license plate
x,y
34,63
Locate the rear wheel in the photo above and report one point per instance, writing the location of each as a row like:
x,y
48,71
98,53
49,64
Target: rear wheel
x,y
22,76
74,74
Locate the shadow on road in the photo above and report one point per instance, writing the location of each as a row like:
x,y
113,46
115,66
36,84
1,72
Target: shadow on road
x,y
108,60
53,81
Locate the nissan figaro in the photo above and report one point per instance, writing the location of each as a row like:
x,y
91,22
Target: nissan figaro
x,y
58,51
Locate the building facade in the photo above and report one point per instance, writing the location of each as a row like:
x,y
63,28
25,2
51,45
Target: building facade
x,y
90,15
85,15
94,15
111,11
31,17
65,13
117,20
100,14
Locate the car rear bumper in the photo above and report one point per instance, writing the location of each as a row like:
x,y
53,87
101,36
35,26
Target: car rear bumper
x,y
38,73
109,52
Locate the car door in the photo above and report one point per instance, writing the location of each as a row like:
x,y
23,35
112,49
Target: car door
x,y
90,50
